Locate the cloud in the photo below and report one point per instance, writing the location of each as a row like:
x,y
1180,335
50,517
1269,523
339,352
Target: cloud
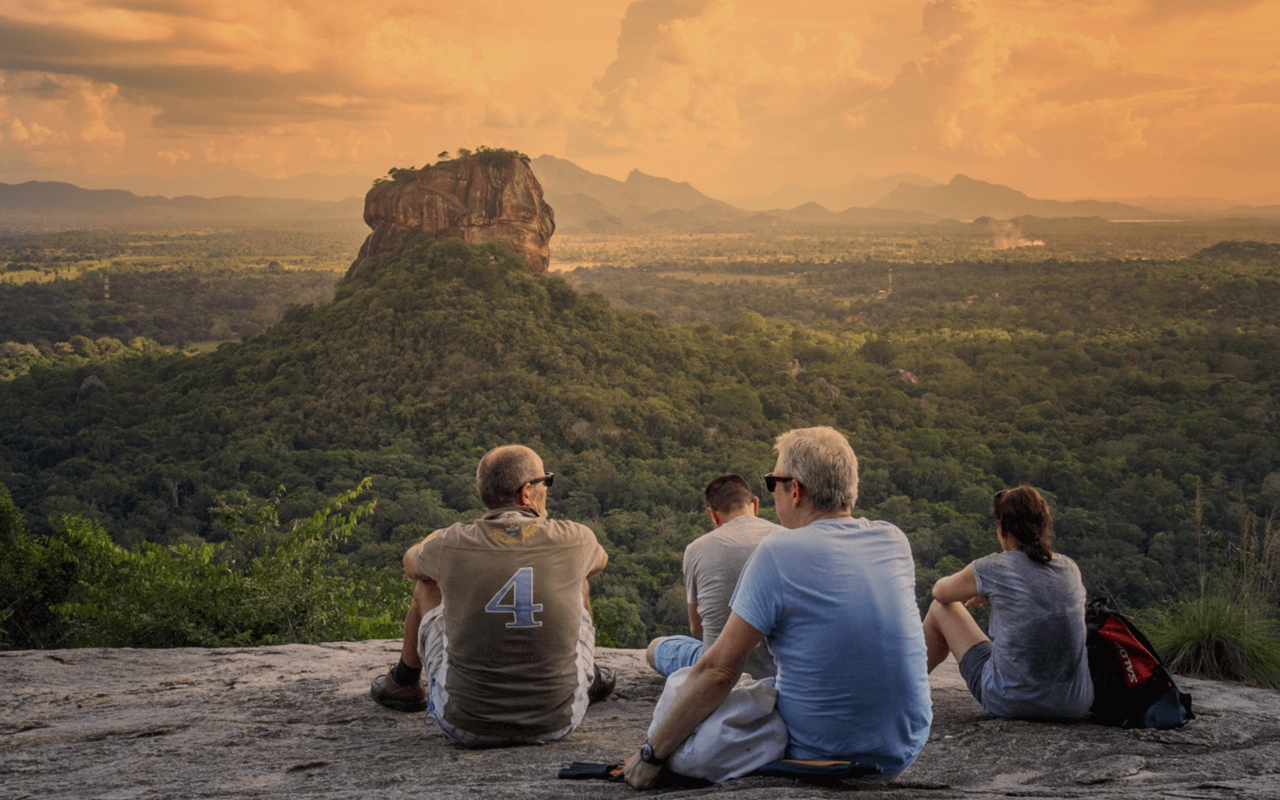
x,y
730,94
990,89
213,87
55,119
1168,9
669,78
700,74
259,84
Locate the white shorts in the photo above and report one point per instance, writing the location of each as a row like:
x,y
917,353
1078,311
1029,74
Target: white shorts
x,y
433,649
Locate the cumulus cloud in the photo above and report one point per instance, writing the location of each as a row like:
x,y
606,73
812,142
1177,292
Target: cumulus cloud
x,y
57,120
1165,9
702,74
269,79
669,79
988,88
730,94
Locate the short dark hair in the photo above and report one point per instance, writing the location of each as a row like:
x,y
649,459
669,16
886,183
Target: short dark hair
x,y
502,472
1023,514
728,492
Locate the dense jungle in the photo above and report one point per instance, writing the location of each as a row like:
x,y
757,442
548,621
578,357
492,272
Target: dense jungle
x,y
263,491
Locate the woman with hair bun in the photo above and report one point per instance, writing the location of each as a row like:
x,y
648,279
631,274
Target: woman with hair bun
x,y
1034,665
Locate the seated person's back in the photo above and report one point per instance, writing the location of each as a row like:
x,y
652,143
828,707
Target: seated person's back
x,y
712,564
500,620
1037,637
834,597
512,583
1035,664
836,602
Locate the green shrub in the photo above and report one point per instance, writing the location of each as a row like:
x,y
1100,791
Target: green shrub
x,y
264,585
498,156
29,581
618,623
1215,637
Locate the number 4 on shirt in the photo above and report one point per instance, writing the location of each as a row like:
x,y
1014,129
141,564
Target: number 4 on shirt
x,y
521,607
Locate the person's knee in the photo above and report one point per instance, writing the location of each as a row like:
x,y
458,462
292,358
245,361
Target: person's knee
x,y
931,616
945,611
650,653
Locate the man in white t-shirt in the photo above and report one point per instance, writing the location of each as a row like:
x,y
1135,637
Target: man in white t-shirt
x,y
712,564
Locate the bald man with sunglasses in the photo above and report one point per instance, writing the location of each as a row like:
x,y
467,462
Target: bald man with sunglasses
x,y
500,620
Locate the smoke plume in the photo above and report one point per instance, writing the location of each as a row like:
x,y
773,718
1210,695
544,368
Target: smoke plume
x,y
1007,234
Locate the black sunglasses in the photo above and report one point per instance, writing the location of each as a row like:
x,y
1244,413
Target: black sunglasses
x,y
771,480
548,479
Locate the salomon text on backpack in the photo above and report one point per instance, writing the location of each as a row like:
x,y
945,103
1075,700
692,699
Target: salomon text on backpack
x,y
1131,688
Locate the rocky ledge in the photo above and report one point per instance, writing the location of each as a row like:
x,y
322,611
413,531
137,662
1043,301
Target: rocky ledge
x,y
297,721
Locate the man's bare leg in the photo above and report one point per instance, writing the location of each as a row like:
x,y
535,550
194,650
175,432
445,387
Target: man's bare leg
x,y
426,596
949,628
401,688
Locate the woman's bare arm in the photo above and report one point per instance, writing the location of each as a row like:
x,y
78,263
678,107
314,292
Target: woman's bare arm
x,y
958,588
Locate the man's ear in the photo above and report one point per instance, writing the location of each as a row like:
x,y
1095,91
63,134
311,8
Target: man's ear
x,y
755,506
798,492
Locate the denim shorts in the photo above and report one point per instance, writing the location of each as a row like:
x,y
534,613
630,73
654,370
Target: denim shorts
x,y
676,652
971,667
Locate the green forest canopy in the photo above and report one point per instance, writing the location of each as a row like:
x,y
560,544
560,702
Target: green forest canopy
x,y
1124,390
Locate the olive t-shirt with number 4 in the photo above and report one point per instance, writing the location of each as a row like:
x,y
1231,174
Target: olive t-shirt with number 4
x,y
512,587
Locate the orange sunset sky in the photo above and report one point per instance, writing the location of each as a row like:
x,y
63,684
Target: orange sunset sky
x,y
1058,98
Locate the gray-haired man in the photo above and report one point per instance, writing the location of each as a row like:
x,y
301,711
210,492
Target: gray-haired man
x,y
501,617
834,597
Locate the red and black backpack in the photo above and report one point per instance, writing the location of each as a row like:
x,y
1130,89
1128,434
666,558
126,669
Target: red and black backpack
x,y
1131,688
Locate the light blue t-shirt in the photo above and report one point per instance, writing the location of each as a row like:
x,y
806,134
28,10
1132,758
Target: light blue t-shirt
x,y
836,602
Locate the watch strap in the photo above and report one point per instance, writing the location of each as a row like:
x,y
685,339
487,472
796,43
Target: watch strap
x,y
647,756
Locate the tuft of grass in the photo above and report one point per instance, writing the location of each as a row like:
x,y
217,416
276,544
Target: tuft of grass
x,y
1215,637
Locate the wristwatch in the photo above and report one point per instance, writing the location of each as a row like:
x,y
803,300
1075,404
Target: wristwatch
x,y
647,756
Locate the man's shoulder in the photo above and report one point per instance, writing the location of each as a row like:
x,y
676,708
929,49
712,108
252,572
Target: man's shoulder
x,y
567,533
443,535
851,531
567,527
736,531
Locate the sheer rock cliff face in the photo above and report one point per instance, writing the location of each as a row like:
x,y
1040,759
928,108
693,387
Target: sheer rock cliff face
x,y
297,721
466,198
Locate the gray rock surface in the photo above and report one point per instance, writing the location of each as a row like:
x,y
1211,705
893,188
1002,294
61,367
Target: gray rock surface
x,y
297,721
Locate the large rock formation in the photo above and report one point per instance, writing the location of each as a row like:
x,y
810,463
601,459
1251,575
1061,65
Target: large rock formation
x,y
488,196
297,721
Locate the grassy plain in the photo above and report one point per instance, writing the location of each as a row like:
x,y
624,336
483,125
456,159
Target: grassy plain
x,y
66,255
1087,239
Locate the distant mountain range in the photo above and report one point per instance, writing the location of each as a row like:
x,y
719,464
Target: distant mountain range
x,y
586,202
589,203
55,204
966,198
239,183
860,192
